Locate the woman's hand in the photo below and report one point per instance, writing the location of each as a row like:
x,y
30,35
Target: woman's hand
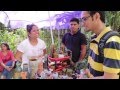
x,y
40,56
9,68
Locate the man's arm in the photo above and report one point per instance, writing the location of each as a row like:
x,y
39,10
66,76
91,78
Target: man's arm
x,y
62,46
83,46
83,52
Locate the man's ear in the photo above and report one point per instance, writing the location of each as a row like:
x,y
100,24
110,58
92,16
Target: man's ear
x,y
97,16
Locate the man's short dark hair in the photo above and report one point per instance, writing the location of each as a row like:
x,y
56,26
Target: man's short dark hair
x,y
102,14
74,20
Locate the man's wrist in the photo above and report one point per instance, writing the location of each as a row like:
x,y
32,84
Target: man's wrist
x,y
79,60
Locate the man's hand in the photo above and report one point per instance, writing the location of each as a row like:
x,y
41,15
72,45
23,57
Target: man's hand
x,y
78,62
72,63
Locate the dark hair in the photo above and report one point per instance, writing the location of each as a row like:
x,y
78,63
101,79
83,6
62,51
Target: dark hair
x,y
29,27
74,20
8,48
102,14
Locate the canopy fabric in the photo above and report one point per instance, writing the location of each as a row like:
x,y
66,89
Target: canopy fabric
x,y
19,19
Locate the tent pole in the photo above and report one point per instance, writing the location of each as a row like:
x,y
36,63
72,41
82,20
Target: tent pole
x,y
51,28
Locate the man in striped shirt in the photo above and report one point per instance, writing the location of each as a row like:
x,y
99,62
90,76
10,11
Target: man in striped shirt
x,y
109,66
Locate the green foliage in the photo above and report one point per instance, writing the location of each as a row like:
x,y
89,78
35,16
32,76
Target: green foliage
x,y
113,19
46,36
22,33
9,38
12,38
2,26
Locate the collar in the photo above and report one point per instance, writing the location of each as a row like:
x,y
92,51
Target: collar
x,y
105,30
75,33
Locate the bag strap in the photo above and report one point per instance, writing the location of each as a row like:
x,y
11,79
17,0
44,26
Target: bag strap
x,y
103,40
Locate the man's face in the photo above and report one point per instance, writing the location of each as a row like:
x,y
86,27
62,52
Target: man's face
x,y
74,26
87,21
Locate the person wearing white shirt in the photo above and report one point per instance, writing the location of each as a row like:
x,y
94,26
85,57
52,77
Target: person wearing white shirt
x,y
31,50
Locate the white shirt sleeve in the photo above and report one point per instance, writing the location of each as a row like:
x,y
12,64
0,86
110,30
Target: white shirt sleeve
x,y
20,47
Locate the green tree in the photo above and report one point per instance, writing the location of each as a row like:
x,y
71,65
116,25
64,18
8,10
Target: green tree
x,y
113,19
2,26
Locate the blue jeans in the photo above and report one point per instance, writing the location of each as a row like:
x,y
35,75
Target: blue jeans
x,y
6,73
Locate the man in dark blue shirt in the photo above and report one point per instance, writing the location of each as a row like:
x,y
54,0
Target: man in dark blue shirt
x,y
75,41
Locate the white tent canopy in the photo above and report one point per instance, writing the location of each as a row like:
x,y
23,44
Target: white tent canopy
x,y
18,19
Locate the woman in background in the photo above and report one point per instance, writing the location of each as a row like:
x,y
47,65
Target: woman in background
x,y
7,61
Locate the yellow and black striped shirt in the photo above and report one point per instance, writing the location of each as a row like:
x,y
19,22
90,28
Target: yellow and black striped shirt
x,y
111,61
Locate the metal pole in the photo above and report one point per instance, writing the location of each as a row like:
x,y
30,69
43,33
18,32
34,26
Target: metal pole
x,y
8,18
51,28
58,37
